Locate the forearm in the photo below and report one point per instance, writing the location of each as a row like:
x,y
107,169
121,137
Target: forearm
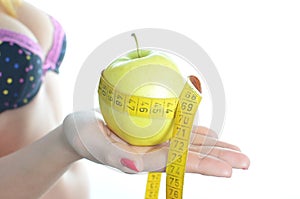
x,y
31,171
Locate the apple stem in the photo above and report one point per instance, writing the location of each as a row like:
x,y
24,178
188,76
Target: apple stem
x,y
137,45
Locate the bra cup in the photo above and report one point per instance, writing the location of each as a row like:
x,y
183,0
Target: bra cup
x,y
21,75
23,65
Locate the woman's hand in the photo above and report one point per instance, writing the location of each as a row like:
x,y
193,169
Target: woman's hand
x,y
209,156
92,139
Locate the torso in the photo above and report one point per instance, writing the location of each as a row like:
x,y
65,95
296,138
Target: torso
x,y
22,126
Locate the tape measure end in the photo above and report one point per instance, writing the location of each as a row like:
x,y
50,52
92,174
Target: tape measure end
x,y
196,82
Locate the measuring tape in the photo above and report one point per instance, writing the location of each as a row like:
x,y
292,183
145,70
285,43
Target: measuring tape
x,y
136,105
188,103
182,110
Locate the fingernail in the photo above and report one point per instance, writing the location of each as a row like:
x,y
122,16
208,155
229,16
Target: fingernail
x,y
129,164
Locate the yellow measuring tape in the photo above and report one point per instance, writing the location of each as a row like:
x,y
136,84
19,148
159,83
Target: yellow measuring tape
x,y
186,110
137,105
182,110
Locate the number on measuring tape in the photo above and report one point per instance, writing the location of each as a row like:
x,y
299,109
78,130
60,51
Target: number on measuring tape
x,y
181,110
153,185
177,156
137,105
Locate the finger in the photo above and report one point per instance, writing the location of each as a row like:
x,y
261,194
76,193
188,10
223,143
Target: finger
x,y
204,131
201,140
123,157
116,140
137,149
207,165
133,159
156,159
112,136
234,158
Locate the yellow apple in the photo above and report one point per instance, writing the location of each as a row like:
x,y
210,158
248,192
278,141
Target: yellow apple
x,y
142,73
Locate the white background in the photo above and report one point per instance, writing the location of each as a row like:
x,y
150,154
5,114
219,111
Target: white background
x,y
255,46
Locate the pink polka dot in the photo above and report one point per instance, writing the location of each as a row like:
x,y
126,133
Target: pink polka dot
x,y
21,80
30,67
20,51
27,70
33,85
11,43
0,74
6,104
15,106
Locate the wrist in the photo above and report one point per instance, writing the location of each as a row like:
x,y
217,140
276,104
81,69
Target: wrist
x,y
63,148
71,130
68,152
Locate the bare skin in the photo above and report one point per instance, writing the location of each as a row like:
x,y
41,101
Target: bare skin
x,y
37,160
21,127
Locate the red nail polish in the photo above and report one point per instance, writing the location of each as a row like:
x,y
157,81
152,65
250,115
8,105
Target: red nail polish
x,y
129,164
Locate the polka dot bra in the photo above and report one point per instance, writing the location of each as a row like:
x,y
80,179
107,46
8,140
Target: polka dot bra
x,y
22,66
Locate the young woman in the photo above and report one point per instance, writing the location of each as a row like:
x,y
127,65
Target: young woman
x,y
32,47
39,148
